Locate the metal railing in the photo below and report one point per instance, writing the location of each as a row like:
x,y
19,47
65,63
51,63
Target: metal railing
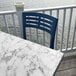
x,y
11,22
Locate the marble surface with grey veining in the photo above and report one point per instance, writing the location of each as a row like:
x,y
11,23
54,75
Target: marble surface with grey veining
x,y
19,57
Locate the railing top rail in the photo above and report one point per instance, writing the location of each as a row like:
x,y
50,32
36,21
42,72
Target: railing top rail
x,y
40,9
50,8
7,12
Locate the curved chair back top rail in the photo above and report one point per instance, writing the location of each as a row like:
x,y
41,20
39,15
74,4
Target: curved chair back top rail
x,y
40,21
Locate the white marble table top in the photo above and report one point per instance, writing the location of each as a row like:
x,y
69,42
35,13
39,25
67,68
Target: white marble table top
x,y
19,57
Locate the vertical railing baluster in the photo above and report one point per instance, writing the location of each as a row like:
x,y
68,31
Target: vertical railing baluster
x,y
37,34
13,19
56,38
19,14
71,10
73,36
64,14
30,32
43,33
7,30
50,12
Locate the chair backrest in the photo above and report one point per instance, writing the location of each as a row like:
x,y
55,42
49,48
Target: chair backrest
x,y
40,21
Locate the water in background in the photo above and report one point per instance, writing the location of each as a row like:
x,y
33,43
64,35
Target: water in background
x,y
9,4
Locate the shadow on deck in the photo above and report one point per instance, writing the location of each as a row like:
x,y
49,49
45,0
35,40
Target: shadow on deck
x,y
68,65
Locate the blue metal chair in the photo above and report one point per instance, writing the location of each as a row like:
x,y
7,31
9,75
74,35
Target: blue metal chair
x,y
40,21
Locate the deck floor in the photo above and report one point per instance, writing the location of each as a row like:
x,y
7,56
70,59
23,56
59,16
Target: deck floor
x,y
68,65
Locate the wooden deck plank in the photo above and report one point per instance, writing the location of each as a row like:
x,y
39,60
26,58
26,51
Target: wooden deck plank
x,y
68,65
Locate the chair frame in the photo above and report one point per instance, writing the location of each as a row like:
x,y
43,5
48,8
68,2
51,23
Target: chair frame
x,y
53,24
